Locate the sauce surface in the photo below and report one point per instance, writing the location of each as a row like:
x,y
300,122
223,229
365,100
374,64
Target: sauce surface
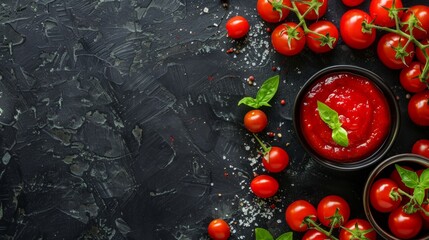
x,y
363,112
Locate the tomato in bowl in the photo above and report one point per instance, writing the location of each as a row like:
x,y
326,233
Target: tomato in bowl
x,y
346,117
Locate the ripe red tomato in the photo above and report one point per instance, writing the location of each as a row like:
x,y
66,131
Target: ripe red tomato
x,y
418,108
351,29
264,186
269,12
403,225
419,52
237,27
357,228
425,218
421,13
409,78
303,6
327,208
379,195
318,44
276,160
219,230
352,3
255,120
378,11
313,234
387,54
397,179
288,39
296,212
421,147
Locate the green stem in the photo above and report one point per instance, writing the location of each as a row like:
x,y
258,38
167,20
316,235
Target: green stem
x,y
314,225
264,147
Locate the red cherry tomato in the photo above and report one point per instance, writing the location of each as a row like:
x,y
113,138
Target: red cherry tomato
x,y
269,12
318,44
425,218
397,179
264,186
418,108
276,160
379,195
419,52
403,225
378,11
387,54
352,3
421,147
296,212
313,234
421,13
255,120
351,29
362,226
237,27
409,78
327,211
288,39
219,230
303,6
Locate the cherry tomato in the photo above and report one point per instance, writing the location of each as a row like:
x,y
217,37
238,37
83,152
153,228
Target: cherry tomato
x,y
219,230
303,6
421,147
237,27
318,44
387,54
288,39
409,78
425,218
419,52
313,234
255,120
296,213
379,195
352,3
264,186
378,11
418,108
403,225
269,12
421,13
351,29
397,179
276,160
357,233
327,211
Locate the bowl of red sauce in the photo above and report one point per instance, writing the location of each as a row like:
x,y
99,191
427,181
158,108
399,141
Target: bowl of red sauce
x,y
346,117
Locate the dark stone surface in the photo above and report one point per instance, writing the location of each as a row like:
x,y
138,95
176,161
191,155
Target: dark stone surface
x,y
119,120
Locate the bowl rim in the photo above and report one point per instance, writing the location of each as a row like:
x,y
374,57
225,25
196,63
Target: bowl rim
x,y
404,157
394,112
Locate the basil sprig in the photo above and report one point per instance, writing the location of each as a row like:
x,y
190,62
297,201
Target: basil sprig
x,y
265,93
412,180
330,117
264,234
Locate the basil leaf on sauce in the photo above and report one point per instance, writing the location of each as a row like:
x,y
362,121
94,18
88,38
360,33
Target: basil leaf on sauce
x,y
265,93
330,117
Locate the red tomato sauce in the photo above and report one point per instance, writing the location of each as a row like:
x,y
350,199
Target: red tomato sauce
x,y
363,112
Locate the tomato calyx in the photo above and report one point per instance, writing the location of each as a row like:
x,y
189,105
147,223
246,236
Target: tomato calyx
x,y
278,6
292,33
412,23
265,150
336,220
401,52
357,233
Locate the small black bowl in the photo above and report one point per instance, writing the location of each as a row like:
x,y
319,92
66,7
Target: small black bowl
x,y
383,170
391,101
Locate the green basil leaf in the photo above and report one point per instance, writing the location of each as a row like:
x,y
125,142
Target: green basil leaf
x,y
339,135
419,194
409,178
286,236
263,234
268,89
424,179
249,101
328,115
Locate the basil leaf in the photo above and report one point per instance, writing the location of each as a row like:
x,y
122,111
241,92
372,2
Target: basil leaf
x,y
409,178
419,194
339,135
424,179
263,234
249,101
286,236
268,89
